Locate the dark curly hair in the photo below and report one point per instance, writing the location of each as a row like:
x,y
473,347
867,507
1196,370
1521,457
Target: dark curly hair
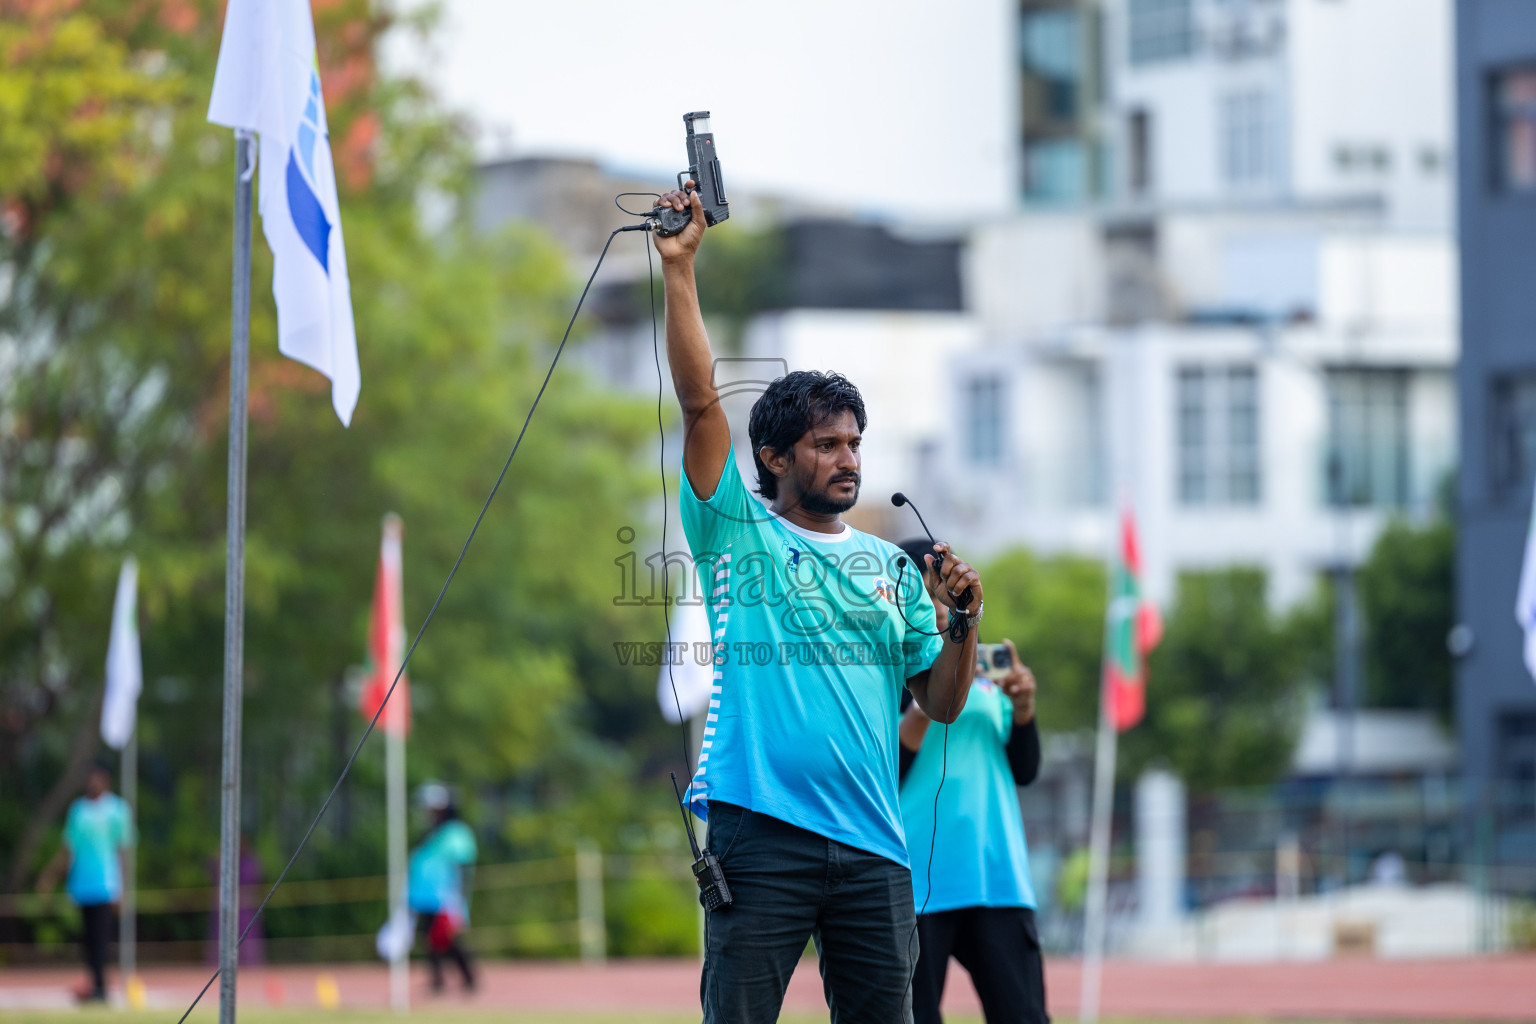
x,y
792,405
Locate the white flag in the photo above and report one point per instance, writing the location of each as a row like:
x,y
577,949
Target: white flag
x,y
1525,601
125,671
268,81
694,681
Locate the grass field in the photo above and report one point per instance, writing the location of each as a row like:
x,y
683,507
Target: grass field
x,y
98,1015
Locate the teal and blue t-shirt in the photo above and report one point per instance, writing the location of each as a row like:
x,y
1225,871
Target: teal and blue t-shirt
x,y
434,879
811,657
95,831
979,855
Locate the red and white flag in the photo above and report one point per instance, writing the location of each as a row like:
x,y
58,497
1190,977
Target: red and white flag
x,y
386,637
1132,627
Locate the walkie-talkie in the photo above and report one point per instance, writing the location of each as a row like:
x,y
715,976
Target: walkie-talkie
x,y
704,170
714,894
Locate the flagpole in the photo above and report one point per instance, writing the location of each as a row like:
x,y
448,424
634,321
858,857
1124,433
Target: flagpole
x,y
234,582
126,930
395,724
1096,902
394,770
1095,910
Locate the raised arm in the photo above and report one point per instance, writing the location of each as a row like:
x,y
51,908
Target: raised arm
x,y
706,434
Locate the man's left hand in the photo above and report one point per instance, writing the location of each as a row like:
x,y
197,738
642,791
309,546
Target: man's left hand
x,y
1019,686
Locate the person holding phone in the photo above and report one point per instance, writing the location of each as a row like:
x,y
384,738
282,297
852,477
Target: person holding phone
x,y
980,902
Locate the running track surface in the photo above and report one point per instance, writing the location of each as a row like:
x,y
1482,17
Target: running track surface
x,y
1485,989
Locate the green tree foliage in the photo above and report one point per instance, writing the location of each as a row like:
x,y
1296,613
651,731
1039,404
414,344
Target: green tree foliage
x,y
1053,611
1223,700
1406,589
114,325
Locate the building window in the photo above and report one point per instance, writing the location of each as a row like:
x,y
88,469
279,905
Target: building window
x,y
1514,130
1367,460
1218,432
1056,170
1512,448
1516,781
1161,30
986,424
1245,137
1139,133
1052,56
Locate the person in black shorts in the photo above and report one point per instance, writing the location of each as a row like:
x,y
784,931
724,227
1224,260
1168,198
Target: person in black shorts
x,y
980,902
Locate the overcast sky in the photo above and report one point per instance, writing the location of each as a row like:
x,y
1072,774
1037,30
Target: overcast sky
x,y
890,106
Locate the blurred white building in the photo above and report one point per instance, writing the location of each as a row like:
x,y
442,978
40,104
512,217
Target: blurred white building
x,y
1231,298
1292,390
1222,103
1300,102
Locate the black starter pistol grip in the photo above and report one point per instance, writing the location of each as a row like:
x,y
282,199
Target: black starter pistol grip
x,y
704,170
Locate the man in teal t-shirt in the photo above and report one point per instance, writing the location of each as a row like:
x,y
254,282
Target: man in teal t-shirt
x,y
97,834
436,885
814,645
975,899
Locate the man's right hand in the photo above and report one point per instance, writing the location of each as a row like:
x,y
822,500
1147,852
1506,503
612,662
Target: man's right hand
x,y
685,243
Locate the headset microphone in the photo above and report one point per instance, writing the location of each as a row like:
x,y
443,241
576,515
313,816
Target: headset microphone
x,y
898,499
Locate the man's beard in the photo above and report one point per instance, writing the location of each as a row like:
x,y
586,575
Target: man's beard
x,y
823,504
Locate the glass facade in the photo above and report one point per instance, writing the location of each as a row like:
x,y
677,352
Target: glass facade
x,y
1368,461
986,422
1056,170
1514,129
1161,30
1512,444
1060,90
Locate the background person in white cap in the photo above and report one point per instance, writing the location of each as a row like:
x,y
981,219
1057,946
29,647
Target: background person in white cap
x,y
437,881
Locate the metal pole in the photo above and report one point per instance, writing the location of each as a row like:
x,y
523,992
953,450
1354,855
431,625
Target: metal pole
x,y
1347,673
125,922
593,927
234,582
394,783
1096,908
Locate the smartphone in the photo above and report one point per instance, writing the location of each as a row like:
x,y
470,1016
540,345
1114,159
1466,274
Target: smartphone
x,y
993,661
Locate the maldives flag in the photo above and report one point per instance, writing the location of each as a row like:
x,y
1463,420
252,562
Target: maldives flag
x,y
386,637
1132,627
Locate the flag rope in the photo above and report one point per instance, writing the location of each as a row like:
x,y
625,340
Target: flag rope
x,y
347,768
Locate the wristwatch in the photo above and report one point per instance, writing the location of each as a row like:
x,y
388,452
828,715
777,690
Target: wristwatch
x,y
971,620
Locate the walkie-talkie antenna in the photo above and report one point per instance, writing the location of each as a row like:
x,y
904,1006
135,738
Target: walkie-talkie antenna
x,y
688,825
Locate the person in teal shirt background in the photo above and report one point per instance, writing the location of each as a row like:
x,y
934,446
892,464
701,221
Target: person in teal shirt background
x,y
975,899
436,884
97,835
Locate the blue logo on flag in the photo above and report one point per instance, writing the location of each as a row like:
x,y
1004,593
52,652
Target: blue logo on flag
x,y
308,215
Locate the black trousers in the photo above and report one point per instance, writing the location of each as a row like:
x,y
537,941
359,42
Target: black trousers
x,y
790,885
999,946
435,955
97,920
